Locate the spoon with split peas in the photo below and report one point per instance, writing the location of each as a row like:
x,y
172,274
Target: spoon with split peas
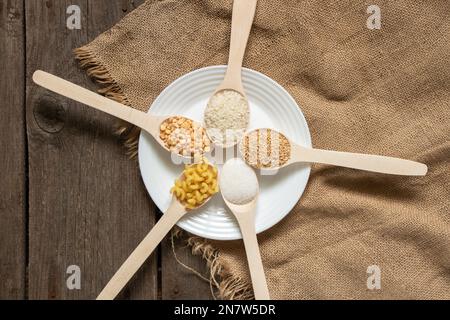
x,y
177,209
290,153
160,127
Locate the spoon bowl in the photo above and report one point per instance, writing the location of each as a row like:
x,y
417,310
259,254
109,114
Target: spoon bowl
x,y
241,209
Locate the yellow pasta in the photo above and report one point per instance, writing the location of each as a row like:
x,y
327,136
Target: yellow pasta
x,y
204,188
197,185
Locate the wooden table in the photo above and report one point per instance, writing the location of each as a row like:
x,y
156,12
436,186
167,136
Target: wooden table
x,y
69,194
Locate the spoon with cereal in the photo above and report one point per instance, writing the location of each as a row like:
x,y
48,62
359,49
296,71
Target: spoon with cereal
x,y
227,113
193,189
269,149
176,134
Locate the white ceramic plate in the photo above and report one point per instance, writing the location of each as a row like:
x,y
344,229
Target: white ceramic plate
x,y
271,107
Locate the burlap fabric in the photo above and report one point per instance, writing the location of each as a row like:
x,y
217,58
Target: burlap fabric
x,y
372,91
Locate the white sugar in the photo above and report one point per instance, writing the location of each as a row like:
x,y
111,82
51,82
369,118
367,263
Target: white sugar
x,y
238,182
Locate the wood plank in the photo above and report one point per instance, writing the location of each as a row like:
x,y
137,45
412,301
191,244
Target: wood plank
x,y
87,204
176,281
12,155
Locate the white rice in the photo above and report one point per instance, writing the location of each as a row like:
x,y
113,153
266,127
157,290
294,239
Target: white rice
x,y
226,117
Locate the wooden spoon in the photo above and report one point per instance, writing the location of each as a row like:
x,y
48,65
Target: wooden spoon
x,y
145,121
244,210
242,20
143,251
137,258
367,162
245,216
241,24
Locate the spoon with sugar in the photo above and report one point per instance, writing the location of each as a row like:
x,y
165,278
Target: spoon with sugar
x,y
269,149
173,133
178,207
227,113
240,188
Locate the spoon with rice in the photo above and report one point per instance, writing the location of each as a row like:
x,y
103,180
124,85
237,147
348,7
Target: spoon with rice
x,y
240,189
227,113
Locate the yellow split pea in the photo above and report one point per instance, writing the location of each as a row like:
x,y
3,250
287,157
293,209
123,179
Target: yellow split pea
x,y
197,184
185,137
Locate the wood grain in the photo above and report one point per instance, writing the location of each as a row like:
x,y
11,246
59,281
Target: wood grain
x,y
143,251
12,155
83,202
179,283
88,206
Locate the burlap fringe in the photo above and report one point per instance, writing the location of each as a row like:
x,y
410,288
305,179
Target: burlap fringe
x,y
110,89
228,286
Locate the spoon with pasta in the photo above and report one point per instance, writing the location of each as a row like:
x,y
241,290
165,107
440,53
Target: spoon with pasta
x,y
269,149
176,134
195,187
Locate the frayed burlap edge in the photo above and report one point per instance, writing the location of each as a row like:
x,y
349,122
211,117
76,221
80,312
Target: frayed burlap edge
x,y
110,89
229,287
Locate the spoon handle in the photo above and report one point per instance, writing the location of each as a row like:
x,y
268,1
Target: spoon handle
x,y
142,252
242,20
92,99
360,161
247,225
